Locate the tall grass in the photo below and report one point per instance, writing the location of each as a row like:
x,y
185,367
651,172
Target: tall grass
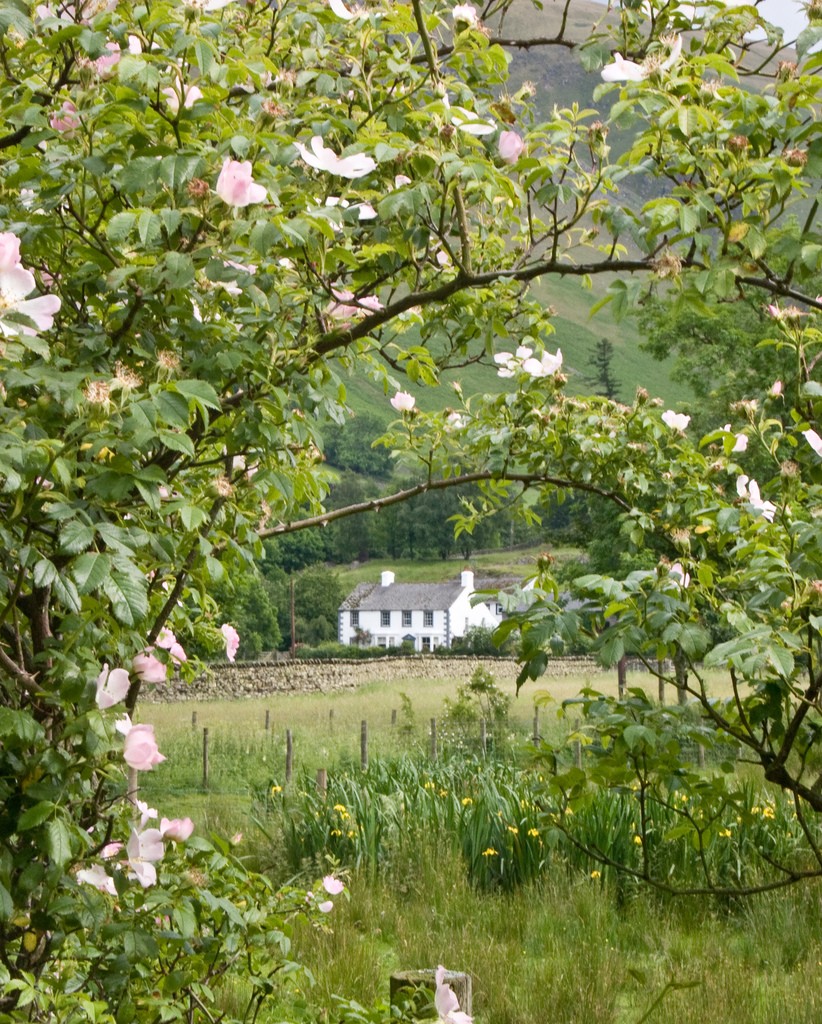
x,y
570,950
546,932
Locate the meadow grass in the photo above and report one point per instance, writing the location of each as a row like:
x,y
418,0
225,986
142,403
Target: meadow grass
x,y
565,945
325,727
570,950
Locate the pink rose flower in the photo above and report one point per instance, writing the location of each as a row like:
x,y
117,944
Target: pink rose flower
x,y
333,886
232,640
112,687
140,750
403,402
9,251
446,1003
98,877
168,641
236,186
143,849
176,829
104,65
148,668
66,121
510,147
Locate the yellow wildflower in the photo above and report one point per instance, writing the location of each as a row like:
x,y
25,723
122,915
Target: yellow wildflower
x,y
467,801
335,832
339,807
276,789
490,852
533,832
513,829
638,840
596,874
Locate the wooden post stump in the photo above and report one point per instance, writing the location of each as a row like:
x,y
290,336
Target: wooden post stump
x,y
419,988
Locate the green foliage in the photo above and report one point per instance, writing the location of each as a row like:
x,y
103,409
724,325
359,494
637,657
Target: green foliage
x,y
246,601
682,830
480,699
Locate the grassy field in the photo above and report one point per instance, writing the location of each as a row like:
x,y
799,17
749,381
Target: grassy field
x,y
570,946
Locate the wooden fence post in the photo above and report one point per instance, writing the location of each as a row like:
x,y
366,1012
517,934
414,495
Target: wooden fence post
x,y
331,719
483,737
193,719
393,716
267,720
364,745
205,758
322,782
289,755
433,739
536,736
622,676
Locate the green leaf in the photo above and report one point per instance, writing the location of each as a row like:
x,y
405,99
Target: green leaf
x,y
120,227
35,815
6,904
639,736
199,391
66,592
58,842
18,725
89,571
45,572
75,536
192,516
127,591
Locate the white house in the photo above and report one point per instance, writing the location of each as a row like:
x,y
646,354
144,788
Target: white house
x,y
428,615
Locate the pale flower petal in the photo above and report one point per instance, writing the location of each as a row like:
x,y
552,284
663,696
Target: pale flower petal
x,y
622,70
675,420
112,687
236,186
814,440
232,640
403,401
341,11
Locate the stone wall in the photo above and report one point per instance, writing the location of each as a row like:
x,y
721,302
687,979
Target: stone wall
x,y
257,679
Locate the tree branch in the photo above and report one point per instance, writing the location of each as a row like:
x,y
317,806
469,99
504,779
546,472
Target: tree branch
x,y
375,504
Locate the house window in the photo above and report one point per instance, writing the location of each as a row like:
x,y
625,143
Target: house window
x,y
426,641
428,618
355,619
385,618
406,618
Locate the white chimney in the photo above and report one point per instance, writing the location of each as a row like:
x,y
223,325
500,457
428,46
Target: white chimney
x,y
467,579
386,578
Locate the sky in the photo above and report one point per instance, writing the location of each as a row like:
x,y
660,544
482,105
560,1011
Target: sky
x,y
788,14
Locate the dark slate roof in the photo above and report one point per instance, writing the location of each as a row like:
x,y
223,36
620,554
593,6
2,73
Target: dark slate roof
x,y
402,596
